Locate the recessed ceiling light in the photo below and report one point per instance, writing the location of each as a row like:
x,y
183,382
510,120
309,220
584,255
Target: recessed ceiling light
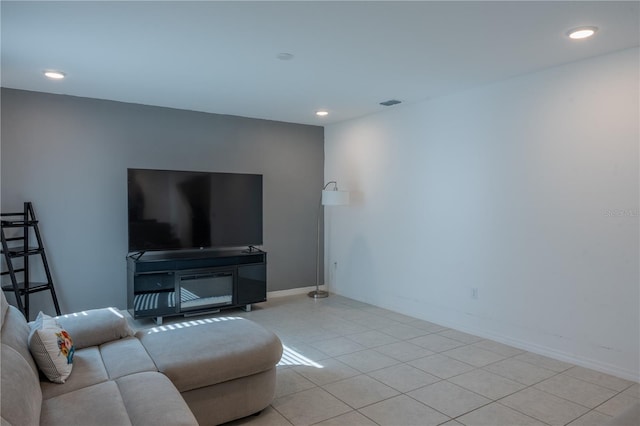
x,y
54,75
582,32
322,113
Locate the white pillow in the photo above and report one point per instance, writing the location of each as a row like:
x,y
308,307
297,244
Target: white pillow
x,y
51,347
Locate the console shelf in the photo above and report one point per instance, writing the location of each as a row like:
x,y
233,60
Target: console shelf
x,y
191,283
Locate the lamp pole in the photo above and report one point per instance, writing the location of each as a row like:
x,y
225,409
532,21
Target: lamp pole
x,y
333,197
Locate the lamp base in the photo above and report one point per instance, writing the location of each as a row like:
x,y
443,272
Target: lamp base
x,y
318,294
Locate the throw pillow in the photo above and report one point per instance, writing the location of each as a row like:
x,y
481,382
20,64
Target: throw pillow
x,y
52,348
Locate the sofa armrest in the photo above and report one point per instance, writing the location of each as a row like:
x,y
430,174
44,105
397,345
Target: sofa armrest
x,y
95,327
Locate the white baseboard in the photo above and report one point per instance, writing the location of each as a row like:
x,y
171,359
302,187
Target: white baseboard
x,y
524,345
575,359
293,291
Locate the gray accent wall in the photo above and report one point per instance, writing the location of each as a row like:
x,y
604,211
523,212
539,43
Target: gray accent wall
x,y
70,155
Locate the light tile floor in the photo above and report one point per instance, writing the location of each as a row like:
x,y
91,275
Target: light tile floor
x,y
349,363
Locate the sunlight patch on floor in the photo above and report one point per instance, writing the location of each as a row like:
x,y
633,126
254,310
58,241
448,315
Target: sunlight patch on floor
x,y
291,357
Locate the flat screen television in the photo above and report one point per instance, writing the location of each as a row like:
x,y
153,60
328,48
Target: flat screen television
x,y
172,210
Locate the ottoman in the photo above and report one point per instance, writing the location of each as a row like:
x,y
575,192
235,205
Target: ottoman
x,y
224,368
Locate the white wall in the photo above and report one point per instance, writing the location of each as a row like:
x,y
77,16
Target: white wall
x,y
526,190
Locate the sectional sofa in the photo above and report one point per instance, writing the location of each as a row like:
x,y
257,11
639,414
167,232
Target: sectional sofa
x,y
198,372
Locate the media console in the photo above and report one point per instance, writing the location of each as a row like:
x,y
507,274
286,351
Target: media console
x,y
194,282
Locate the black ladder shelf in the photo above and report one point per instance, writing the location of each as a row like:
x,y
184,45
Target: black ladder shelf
x,y
26,221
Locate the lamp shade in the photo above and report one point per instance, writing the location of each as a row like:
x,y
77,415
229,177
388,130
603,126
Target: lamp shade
x,y
335,198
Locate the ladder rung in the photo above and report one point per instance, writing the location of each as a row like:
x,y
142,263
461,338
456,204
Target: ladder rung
x,y
18,252
12,214
18,223
35,288
15,271
14,239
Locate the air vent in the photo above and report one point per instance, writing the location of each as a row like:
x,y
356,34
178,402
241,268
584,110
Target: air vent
x,y
390,102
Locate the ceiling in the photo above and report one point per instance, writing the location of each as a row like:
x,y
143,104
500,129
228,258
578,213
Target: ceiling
x,y
221,57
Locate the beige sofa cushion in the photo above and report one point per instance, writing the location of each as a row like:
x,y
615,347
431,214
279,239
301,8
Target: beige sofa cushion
x,y
98,364
88,370
99,404
95,326
151,399
15,333
125,356
146,398
4,306
210,352
21,396
214,405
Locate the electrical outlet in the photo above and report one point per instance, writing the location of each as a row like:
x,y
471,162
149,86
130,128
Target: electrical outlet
x,y
474,293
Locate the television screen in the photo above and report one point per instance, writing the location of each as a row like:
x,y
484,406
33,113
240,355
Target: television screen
x,y
171,210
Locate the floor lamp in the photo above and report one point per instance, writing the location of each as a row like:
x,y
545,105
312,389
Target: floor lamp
x,y
332,197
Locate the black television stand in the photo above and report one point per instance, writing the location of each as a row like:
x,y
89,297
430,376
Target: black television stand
x,y
252,249
194,282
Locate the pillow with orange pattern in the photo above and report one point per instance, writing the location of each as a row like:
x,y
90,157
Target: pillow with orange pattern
x,y
51,347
